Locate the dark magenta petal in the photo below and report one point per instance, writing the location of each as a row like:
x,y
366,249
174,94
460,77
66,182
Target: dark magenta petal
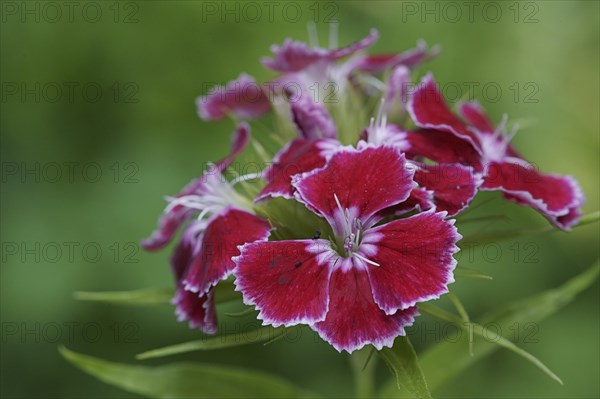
x,y
175,217
558,198
200,311
415,258
354,320
364,181
294,56
168,225
474,113
396,91
453,185
242,97
187,248
296,157
442,148
429,110
287,280
312,119
239,142
420,199
224,233
356,46
410,59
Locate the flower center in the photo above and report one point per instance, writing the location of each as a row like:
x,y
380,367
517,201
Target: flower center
x,y
349,232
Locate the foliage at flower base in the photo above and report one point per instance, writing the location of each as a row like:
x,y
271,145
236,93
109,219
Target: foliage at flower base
x,y
349,229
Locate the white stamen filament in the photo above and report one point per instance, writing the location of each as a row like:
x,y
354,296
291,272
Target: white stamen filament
x,y
333,35
369,261
501,128
215,196
378,126
247,177
313,37
373,81
351,231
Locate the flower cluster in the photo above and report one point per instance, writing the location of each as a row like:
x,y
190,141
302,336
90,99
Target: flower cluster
x,y
349,227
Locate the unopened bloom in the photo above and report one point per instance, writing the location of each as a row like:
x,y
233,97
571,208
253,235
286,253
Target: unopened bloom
x,y
360,286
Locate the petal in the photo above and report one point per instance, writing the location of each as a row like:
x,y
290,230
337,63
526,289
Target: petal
x,y
364,181
420,199
428,109
287,281
294,56
558,198
356,46
242,97
312,119
224,233
354,320
200,311
474,113
442,148
396,90
296,157
187,249
168,224
415,258
410,58
239,142
453,185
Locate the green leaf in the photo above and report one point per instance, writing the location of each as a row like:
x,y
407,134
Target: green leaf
x,y
224,341
589,218
137,297
445,360
224,292
186,380
464,316
483,332
363,372
508,234
402,361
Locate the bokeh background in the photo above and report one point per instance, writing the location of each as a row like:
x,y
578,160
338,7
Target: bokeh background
x,y
129,132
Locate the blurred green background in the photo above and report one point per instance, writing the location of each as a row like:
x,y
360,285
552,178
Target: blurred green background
x,y
128,131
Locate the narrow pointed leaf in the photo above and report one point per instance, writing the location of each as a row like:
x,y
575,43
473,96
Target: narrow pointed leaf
x,y
509,234
445,360
402,361
185,380
137,297
211,343
224,292
483,332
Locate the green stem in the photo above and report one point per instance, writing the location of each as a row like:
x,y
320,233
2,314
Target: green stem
x,y
363,365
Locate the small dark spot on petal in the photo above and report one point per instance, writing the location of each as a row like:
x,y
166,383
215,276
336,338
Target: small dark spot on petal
x,y
284,279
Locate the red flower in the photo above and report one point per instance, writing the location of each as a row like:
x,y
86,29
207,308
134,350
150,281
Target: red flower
x,y
360,287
